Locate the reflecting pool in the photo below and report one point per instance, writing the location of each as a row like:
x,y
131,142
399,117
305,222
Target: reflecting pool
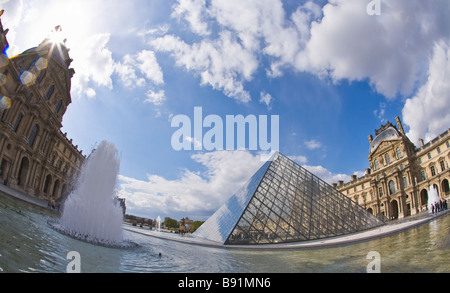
x,y
28,244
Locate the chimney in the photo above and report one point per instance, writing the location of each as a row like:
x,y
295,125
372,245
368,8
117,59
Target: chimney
x,y
399,125
370,138
421,142
353,177
367,171
340,183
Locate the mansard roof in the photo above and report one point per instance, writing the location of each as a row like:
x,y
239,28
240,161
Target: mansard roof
x,y
386,132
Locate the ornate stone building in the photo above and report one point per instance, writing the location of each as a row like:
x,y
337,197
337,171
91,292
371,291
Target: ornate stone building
x,y
397,183
35,156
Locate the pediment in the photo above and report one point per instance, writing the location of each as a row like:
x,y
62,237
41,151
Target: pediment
x,y
384,145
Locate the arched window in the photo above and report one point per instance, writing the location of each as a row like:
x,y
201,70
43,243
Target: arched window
x,y
387,158
391,187
33,134
399,153
376,164
50,92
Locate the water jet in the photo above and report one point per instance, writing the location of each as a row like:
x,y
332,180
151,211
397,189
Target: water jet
x,y
91,212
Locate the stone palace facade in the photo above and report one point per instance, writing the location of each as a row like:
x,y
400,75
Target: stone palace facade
x,y
35,156
400,175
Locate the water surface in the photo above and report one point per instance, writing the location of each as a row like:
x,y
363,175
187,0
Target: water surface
x,y
28,244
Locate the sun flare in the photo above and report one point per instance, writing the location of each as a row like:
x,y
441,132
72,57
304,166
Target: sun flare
x,y
56,36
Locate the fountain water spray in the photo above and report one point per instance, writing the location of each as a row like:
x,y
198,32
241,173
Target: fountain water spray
x,y
433,197
158,223
92,212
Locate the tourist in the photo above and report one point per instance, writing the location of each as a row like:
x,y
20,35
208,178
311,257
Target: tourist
x,y
432,208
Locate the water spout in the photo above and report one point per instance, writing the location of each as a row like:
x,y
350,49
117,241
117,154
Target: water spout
x,y
92,212
433,198
158,223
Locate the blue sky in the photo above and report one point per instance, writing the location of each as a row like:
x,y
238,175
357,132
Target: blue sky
x,y
331,72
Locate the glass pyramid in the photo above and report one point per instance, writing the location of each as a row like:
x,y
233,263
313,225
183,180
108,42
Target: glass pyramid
x,y
284,202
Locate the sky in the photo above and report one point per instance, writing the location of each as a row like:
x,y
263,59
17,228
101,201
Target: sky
x,y
331,71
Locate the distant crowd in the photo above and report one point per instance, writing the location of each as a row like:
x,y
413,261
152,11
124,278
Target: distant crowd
x,y
439,206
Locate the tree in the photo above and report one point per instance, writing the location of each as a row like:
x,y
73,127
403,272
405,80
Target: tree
x,y
197,224
170,223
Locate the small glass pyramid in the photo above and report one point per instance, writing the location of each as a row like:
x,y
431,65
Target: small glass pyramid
x,y
284,202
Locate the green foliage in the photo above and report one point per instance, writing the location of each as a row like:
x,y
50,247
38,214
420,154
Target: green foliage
x,y
170,223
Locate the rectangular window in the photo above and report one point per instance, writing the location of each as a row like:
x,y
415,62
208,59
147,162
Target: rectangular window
x,y
433,171
422,175
442,166
405,182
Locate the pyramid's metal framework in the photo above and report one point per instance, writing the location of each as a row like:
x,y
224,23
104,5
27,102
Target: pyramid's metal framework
x,y
284,202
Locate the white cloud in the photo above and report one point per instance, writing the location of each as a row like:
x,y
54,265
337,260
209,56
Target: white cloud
x,y
427,112
222,63
155,98
264,28
192,11
248,30
127,72
340,40
193,194
299,159
390,50
93,63
150,67
328,176
146,64
313,144
266,99
379,113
